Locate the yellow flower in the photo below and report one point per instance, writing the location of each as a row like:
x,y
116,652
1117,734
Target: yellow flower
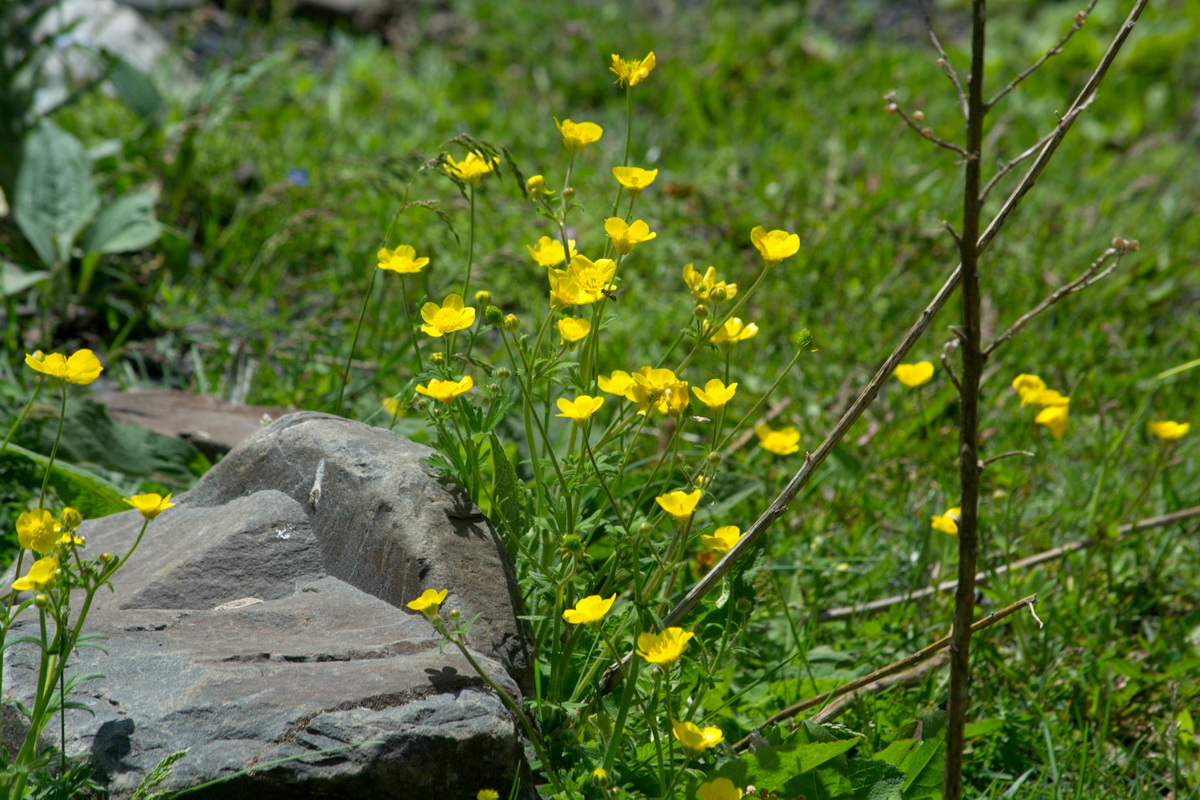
x,y
472,168
663,648
715,393
429,601
536,186
38,530
1054,418
589,610
776,245
723,539
1169,431
632,71
445,391
634,179
948,522
694,739
657,389
782,442
548,252
40,574
1028,386
1046,397
625,236
403,260
582,283
703,285
580,409
600,777
578,135
720,789
487,794
617,383
732,332
679,504
674,399
573,330
151,505
82,367
914,375
448,317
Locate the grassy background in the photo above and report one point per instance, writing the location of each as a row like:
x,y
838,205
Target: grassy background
x,y
772,114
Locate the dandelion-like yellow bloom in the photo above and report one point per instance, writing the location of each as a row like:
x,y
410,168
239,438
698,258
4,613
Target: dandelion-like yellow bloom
x,y
723,539
578,135
450,316
679,504
445,391
82,367
1169,431
1028,387
580,409
914,375
402,260
626,236
663,648
634,179
618,383
632,71
715,393
776,245
719,789
948,522
1054,418
38,530
151,505
702,285
694,739
40,573
782,442
472,168
573,330
429,601
732,332
589,610
548,252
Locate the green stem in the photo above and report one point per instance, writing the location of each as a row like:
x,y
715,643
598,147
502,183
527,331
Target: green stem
x,y
470,247
337,408
62,418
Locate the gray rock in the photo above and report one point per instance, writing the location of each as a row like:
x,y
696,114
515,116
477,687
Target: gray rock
x,y
262,620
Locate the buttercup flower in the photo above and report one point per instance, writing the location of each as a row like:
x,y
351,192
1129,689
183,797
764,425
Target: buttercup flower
x,y
1169,431
536,186
657,389
617,383
582,283
782,442
450,316
38,530
723,539
703,285
1027,386
632,71
694,739
634,179
429,601
403,260
776,245
679,504
151,505
674,399
548,252
719,789
625,236
600,777
40,573
589,610
914,375
82,367
580,409
1054,418
1046,397
715,393
663,648
573,330
732,332
578,135
445,391
472,168
948,522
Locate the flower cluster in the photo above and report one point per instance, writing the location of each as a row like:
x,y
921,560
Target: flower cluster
x,y
1055,407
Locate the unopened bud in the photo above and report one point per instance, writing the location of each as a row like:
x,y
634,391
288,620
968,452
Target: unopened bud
x,y
536,186
502,373
700,312
493,315
483,297
106,558
919,116
719,294
569,193
41,600
891,108
645,529
713,458
1081,17
943,63
743,605
70,519
927,132
511,323
455,614
600,777
437,358
493,390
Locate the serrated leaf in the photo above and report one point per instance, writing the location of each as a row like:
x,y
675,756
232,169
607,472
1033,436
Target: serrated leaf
x,y
126,224
55,196
871,779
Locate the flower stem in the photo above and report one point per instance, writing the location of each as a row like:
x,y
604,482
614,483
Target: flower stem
x,y
345,377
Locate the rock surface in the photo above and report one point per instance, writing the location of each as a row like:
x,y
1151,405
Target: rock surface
x,y
262,619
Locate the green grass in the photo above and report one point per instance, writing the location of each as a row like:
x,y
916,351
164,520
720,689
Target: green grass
x,y
761,117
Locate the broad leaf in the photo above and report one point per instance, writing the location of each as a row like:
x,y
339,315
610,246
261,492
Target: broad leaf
x,y
55,195
136,89
90,494
127,224
14,280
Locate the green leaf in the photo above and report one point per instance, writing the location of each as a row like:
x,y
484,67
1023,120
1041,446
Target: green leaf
x,y
792,767
14,280
921,760
871,779
90,494
127,224
55,196
506,494
136,89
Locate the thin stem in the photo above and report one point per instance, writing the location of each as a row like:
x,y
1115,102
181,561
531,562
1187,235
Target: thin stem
x,y
1080,19
62,418
337,408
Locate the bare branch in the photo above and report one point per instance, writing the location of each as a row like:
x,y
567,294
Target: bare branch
x,y
947,348
957,239
909,677
1007,166
926,132
944,61
1080,18
1006,454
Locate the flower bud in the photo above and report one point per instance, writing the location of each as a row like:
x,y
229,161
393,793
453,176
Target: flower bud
x,y
919,116
511,323
600,778
536,186
455,614
1081,17
483,297
569,193
718,294
645,529
743,605
493,390
437,358
41,600
493,315
713,458
927,132
700,312
70,519
502,373
891,108
106,558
